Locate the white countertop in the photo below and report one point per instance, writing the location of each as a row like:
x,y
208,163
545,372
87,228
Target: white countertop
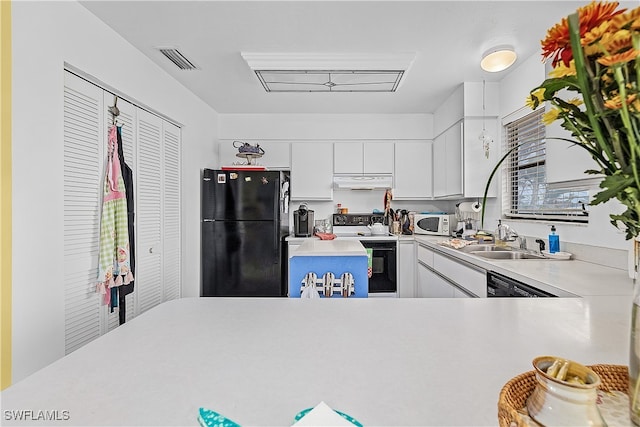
x,y
316,247
562,278
426,362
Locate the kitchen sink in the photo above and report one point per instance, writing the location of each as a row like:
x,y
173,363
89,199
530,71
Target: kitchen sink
x,y
484,248
508,255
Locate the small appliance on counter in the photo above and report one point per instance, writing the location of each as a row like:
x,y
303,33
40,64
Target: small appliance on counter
x,y
467,214
303,221
434,223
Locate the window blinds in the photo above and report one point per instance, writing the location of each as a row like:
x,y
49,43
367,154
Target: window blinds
x,y
524,176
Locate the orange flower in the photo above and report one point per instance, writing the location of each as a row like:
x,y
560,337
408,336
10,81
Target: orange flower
x,y
615,103
557,44
619,58
596,34
618,42
562,71
629,20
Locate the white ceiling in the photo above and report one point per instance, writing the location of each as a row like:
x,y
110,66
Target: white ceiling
x,y
448,38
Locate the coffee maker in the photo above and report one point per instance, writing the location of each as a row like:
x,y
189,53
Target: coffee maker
x,y
303,221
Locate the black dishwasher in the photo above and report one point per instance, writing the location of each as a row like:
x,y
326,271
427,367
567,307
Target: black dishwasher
x,y
500,286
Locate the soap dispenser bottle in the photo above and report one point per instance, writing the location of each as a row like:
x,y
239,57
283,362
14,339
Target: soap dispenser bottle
x,y
554,241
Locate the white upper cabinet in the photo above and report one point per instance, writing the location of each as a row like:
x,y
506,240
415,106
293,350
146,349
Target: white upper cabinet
x,y
413,178
312,171
378,157
348,158
477,167
276,154
447,162
460,166
363,157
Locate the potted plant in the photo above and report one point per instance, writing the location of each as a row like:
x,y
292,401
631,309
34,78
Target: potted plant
x,y
594,91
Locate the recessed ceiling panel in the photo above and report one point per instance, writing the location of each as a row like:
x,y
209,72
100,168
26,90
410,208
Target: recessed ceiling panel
x,y
296,87
329,81
336,72
366,87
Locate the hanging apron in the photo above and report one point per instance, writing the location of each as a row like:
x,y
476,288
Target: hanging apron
x,y
114,269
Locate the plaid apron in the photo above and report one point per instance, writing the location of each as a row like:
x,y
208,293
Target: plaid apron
x,y
114,269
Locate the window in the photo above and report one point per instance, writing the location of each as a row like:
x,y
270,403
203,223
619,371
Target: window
x,y
527,194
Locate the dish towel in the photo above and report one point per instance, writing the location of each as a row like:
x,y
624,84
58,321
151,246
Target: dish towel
x,y
114,268
209,418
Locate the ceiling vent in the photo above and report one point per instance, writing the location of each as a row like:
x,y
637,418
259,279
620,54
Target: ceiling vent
x,y
175,56
326,72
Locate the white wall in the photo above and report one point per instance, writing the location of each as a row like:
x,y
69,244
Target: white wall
x,y
45,36
514,89
301,127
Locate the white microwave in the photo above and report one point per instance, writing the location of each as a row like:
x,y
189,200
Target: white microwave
x,y
434,224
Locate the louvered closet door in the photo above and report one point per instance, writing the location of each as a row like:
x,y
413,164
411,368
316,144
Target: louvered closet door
x,y
83,176
149,212
127,121
171,219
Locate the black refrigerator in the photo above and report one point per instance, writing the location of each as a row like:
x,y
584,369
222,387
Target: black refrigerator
x,y
242,238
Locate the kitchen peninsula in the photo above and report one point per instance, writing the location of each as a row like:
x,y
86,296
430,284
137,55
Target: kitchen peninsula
x,y
329,257
400,361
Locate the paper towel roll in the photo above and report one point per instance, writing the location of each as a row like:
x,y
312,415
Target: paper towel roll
x,y
470,207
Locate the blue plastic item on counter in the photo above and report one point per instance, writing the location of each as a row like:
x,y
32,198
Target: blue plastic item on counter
x,y
554,241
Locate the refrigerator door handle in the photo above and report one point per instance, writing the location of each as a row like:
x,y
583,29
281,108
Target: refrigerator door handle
x,y
276,227
208,220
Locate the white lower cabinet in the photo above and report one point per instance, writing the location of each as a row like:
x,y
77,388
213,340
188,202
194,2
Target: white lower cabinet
x,y
440,276
431,285
467,278
406,269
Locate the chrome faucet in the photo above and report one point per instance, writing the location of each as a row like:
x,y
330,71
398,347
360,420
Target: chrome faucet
x,y
508,234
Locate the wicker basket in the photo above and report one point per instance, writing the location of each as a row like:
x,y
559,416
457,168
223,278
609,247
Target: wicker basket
x,y
514,394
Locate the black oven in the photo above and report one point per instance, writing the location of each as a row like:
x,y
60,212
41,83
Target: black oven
x,y
384,275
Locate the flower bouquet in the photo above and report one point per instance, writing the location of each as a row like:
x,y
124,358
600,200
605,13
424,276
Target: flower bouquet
x,y
594,91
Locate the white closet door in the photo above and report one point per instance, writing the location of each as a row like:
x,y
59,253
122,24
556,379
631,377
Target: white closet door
x,y
83,170
149,212
127,120
171,210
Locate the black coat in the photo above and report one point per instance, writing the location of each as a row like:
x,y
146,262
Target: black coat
x,y
127,176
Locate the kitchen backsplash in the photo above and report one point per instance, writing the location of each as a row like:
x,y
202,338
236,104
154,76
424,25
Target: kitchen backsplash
x,y
366,201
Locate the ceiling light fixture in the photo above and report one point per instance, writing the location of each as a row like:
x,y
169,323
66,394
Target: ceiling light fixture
x,y
327,72
498,58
